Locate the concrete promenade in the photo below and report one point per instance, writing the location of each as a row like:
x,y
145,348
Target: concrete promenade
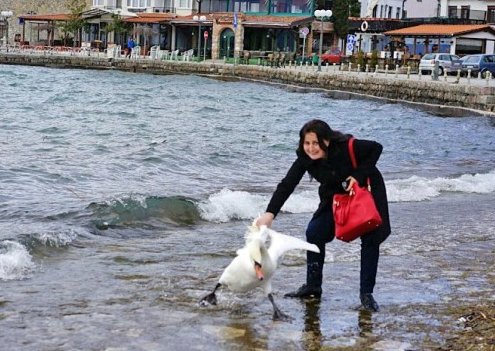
x,y
449,96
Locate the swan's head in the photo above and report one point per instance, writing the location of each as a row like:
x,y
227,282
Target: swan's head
x,y
255,242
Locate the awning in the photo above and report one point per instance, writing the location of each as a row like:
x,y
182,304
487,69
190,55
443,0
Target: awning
x,y
440,30
265,21
150,18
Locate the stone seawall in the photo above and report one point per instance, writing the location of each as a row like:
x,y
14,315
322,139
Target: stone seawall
x,y
436,96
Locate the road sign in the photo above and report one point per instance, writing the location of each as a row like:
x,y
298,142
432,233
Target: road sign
x,y
351,40
234,22
304,31
206,34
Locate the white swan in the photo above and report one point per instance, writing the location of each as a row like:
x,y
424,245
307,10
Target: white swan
x,y
256,263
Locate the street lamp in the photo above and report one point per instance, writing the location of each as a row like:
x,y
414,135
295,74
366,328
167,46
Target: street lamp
x,y
5,16
199,19
321,15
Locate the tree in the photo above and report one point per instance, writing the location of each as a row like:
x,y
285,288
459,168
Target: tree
x,y
340,11
76,21
354,8
118,27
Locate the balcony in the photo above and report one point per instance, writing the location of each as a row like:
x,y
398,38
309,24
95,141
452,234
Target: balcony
x,y
466,16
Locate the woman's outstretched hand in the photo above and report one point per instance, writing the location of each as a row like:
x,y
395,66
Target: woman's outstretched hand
x,y
265,219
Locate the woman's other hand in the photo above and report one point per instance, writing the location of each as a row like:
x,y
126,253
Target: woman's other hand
x,y
265,219
350,182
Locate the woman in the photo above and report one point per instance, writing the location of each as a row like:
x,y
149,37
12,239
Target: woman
x,y
323,153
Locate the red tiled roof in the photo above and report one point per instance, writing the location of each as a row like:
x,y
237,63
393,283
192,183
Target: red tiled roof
x,y
151,18
266,21
47,17
440,29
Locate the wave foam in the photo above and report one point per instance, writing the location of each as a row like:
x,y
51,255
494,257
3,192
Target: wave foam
x,y
230,205
55,239
419,189
15,261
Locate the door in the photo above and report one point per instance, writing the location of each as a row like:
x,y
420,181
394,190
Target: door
x,y
227,43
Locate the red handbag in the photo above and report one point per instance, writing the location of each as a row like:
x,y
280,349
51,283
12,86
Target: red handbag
x,y
355,213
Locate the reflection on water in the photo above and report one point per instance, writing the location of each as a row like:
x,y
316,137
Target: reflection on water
x,y
364,323
312,337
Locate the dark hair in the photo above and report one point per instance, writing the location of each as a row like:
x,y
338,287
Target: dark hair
x,y
323,132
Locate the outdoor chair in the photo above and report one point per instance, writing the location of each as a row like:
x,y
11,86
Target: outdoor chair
x,y
174,54
136,52
269,59
274,62
162,54
282,59
246,55
153,52
187,55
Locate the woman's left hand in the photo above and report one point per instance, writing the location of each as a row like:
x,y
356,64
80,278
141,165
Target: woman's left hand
x,y
350,182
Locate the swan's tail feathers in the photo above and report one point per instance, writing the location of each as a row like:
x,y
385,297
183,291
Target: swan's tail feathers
x,y
211,298
281,243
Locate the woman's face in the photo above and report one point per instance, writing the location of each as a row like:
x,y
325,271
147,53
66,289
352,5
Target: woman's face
x,y
312,147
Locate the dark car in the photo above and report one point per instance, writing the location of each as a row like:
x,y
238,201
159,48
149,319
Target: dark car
x,y
479,63
334,55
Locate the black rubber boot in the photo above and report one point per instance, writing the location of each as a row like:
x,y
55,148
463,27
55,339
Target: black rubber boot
x,y
368,302
312,288
305,292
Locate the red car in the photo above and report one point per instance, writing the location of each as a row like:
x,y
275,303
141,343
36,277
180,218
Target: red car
x,y
334,55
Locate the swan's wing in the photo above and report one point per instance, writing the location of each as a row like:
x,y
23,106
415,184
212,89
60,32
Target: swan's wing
x,y
281,243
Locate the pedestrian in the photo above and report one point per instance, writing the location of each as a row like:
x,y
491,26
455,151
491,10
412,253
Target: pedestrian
x,y
130,46
323,153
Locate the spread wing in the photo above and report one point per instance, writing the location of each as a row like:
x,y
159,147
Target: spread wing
x,y
281,243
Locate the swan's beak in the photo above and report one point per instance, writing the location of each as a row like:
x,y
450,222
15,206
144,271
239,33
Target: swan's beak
x,y
259,272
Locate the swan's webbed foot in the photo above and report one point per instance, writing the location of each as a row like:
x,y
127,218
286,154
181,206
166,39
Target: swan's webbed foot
x,y
278,315
211,298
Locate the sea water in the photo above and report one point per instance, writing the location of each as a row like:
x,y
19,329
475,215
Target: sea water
x,y
123,197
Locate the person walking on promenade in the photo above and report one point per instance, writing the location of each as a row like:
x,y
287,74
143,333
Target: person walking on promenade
x,y
130,46
323,153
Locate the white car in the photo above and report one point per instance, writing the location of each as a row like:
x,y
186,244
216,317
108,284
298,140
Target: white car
x,y
446,63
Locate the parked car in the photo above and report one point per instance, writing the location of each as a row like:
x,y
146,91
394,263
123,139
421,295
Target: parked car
x,y
446,63
334,55
480,63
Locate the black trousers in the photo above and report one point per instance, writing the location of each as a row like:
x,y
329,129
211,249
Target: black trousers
x,y
320,231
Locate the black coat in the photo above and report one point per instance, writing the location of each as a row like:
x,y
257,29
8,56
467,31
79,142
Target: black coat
x,y
330,172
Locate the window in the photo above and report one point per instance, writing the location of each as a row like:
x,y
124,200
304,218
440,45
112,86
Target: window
x,y
98,2
472,59
452,11
465,12
184,4
490,14
389,12
397,14
139,3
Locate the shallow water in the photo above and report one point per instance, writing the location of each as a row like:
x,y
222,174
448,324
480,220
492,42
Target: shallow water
x,y
124,196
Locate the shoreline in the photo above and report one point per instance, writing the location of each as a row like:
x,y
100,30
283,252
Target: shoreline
x,y
441,98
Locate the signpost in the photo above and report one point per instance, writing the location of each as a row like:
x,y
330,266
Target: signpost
x,y
205,35
234,23
304,33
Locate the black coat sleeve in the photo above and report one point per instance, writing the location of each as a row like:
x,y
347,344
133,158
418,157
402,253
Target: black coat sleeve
x,y
287,186
367,154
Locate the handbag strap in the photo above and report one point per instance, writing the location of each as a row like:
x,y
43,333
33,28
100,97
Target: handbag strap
x,y
350,145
